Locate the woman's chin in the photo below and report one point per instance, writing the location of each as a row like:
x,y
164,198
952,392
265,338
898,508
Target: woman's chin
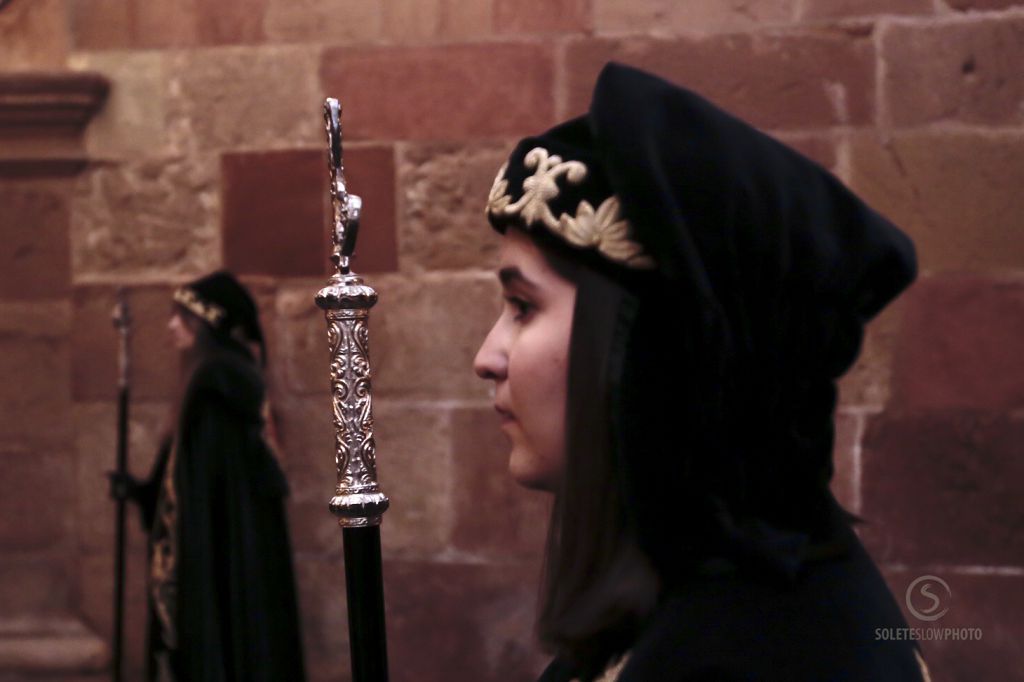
x,y
528,472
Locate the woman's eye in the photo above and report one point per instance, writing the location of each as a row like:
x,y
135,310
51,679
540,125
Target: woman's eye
x,y
520,307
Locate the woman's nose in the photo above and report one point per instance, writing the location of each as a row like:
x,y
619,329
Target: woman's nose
x,y
491,361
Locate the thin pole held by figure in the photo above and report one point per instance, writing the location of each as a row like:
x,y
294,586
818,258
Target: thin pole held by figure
x,y
358,501
122,322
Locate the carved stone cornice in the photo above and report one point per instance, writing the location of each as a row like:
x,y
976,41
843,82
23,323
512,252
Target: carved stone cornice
x,y
42,118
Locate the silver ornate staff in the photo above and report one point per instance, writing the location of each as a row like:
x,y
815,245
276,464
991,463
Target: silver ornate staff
x,y
358,501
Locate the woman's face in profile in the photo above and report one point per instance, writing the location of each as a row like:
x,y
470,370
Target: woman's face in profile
x,y
526,354
181,333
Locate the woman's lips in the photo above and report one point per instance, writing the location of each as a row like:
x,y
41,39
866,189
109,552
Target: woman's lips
x,y
505,415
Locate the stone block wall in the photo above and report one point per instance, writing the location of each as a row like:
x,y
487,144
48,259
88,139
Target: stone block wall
x,y
208,153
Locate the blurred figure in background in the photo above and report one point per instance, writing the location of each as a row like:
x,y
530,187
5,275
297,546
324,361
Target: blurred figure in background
x,y
221,586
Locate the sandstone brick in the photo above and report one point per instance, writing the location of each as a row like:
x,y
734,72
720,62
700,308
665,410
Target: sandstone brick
x,y
424,334
35,399
34,255
146,220
322,608
562,16
307,457
96,444
941,489
444,188
456,621
867,383
960,345
29,517
846,460
132,122
986,602
834,9
333,21
370,174
417,21
414,463
450,92
775,81
955,194
154,362
225,98
493,514
965,72
693,17
34,36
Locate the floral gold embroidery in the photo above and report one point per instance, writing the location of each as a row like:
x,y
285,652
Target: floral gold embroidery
x,y
211,312
603,229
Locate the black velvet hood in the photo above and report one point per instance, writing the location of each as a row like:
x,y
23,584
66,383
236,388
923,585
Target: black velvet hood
x,y
747,276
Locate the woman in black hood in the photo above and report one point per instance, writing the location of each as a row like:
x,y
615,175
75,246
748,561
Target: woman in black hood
x,y
221,587
682,293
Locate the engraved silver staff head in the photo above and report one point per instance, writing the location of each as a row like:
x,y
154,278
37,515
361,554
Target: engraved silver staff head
x,y
347,207
346,302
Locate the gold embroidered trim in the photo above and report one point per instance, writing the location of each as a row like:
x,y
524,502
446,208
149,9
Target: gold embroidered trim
x,y
211,312
603,229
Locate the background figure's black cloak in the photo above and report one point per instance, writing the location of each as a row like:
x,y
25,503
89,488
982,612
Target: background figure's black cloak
x,y
236,614
721,385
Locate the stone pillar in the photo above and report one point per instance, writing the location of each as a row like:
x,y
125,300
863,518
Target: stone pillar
x,y
42,635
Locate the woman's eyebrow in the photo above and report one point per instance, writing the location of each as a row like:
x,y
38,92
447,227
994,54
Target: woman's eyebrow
x,y
513,275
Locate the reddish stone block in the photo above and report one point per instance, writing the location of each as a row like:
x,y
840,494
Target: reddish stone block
x,y
960,345
943,488
980,5
273,213
35,258
493,515
100,24
370,174
449,621
967,72
561,16
320,582
451,92
779,82
933,185
154,362
977,600
230,22
834,9
32,584
276,222
324,21
94,584
29,517
35,400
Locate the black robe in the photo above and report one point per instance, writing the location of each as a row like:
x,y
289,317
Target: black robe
x,y
235,612
826,626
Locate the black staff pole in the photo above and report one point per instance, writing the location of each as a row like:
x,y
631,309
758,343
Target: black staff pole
x,y
122,322
358,501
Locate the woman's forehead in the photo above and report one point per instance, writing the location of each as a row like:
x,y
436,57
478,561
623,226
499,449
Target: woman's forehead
x,y
520,257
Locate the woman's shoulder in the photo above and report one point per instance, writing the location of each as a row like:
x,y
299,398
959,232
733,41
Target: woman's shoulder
x,y
823,626
229,377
